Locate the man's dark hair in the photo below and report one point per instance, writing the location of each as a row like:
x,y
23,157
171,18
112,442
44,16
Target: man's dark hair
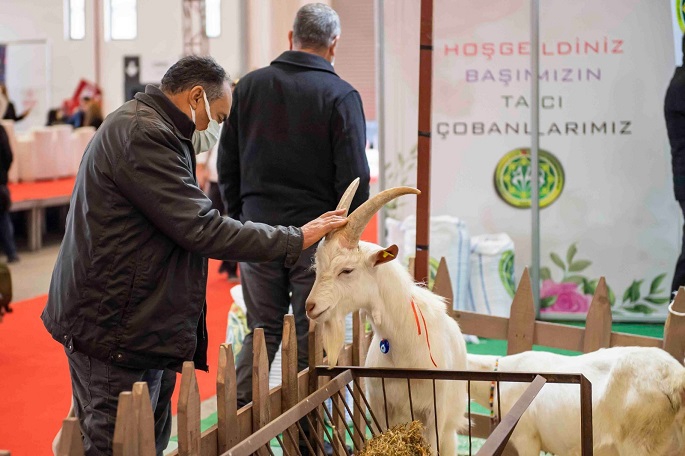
x,y
192,71
315,26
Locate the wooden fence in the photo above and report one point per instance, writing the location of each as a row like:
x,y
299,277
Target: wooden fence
x,y
521,331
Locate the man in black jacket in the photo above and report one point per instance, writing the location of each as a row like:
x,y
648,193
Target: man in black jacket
x,y
674,111
294,141
127,296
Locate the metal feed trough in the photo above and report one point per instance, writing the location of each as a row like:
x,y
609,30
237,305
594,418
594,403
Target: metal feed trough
x,y
347,428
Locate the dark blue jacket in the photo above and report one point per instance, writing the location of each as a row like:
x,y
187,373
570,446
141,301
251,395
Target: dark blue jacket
x,y
674,111
295,139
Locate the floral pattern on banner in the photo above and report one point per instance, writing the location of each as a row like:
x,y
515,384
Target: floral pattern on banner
x,y
573,293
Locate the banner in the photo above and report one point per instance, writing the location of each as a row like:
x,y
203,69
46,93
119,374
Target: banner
x,y
605,177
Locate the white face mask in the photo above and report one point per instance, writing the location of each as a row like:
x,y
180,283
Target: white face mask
x,y
204,140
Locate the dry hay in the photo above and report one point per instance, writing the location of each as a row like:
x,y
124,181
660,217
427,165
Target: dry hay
x,y
400,440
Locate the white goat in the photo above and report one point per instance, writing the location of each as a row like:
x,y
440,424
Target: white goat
x,y
637,401
408,319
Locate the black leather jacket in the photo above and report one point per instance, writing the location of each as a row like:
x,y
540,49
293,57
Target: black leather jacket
x,y
129,282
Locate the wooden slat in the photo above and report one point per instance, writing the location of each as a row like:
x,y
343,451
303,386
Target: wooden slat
x,y
125,441
598,322
226,399
488,326
289,388
315,355
674,331
145,419
339,422
189,413
497,441
260,381
521,327
71,442
443,285
358,359
552,335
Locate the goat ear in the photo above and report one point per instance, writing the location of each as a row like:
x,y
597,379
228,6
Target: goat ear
x,y
383,256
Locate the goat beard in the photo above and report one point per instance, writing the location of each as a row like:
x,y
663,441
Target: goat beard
x,y
333,332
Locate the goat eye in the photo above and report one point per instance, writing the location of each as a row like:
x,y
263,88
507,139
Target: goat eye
x,y
346,271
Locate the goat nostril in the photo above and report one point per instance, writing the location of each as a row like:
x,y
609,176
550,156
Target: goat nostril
x,y
309,306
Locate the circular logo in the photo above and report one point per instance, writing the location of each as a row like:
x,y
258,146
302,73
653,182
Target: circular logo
x,y
512,178
680,14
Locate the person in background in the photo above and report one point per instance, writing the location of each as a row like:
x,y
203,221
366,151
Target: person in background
x,y
127,294
93,115
293,143
208,179
674,112
10,112
6,228
77,119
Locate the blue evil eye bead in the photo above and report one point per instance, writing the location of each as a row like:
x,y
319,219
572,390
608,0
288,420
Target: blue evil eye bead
x,y
385,346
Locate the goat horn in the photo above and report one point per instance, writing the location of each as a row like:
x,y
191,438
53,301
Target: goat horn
x,y
347,197
346,202
358,220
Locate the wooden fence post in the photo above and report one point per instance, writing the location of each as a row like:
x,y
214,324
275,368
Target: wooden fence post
x,y
189,413
289,383
521,318
71,442
260,381
125,440
315,355
145,420
443,285
226,400
358,359
598,322
674,331
338,408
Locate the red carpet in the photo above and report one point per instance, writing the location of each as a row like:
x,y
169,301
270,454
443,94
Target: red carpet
x,y
40,190
35,389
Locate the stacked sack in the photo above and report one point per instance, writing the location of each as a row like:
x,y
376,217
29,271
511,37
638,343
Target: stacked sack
x,y
449,238
492,285
481,267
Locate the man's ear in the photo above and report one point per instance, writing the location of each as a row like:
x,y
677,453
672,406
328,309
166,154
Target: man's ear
x,y
195,96
290,40
383,256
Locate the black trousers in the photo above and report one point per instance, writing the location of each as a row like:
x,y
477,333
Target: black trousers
x,y
679,274
266,289
96,386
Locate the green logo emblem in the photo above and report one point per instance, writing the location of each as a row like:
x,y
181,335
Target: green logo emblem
x,y
506,272
680,14
512,178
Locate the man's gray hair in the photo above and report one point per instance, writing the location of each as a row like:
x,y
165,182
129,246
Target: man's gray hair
x,y
315,26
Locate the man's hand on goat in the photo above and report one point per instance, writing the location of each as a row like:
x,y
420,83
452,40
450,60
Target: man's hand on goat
x,y
319,227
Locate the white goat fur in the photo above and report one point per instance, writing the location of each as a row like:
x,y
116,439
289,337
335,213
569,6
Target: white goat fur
x,y
385,293
637,401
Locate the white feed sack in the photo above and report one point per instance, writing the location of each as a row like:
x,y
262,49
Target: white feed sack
x,y
449,238
492,274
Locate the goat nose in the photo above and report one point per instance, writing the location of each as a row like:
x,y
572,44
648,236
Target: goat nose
x,y
309,306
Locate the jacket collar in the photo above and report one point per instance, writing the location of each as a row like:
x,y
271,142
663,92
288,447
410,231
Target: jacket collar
x,y
305,60
156,99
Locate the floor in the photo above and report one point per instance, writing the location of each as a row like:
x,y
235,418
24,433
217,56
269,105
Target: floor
x,y
31,278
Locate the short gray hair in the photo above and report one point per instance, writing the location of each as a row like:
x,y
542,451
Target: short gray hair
x,y
315,26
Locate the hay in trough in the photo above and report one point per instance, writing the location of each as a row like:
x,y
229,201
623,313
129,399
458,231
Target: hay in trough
x,y
400,440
